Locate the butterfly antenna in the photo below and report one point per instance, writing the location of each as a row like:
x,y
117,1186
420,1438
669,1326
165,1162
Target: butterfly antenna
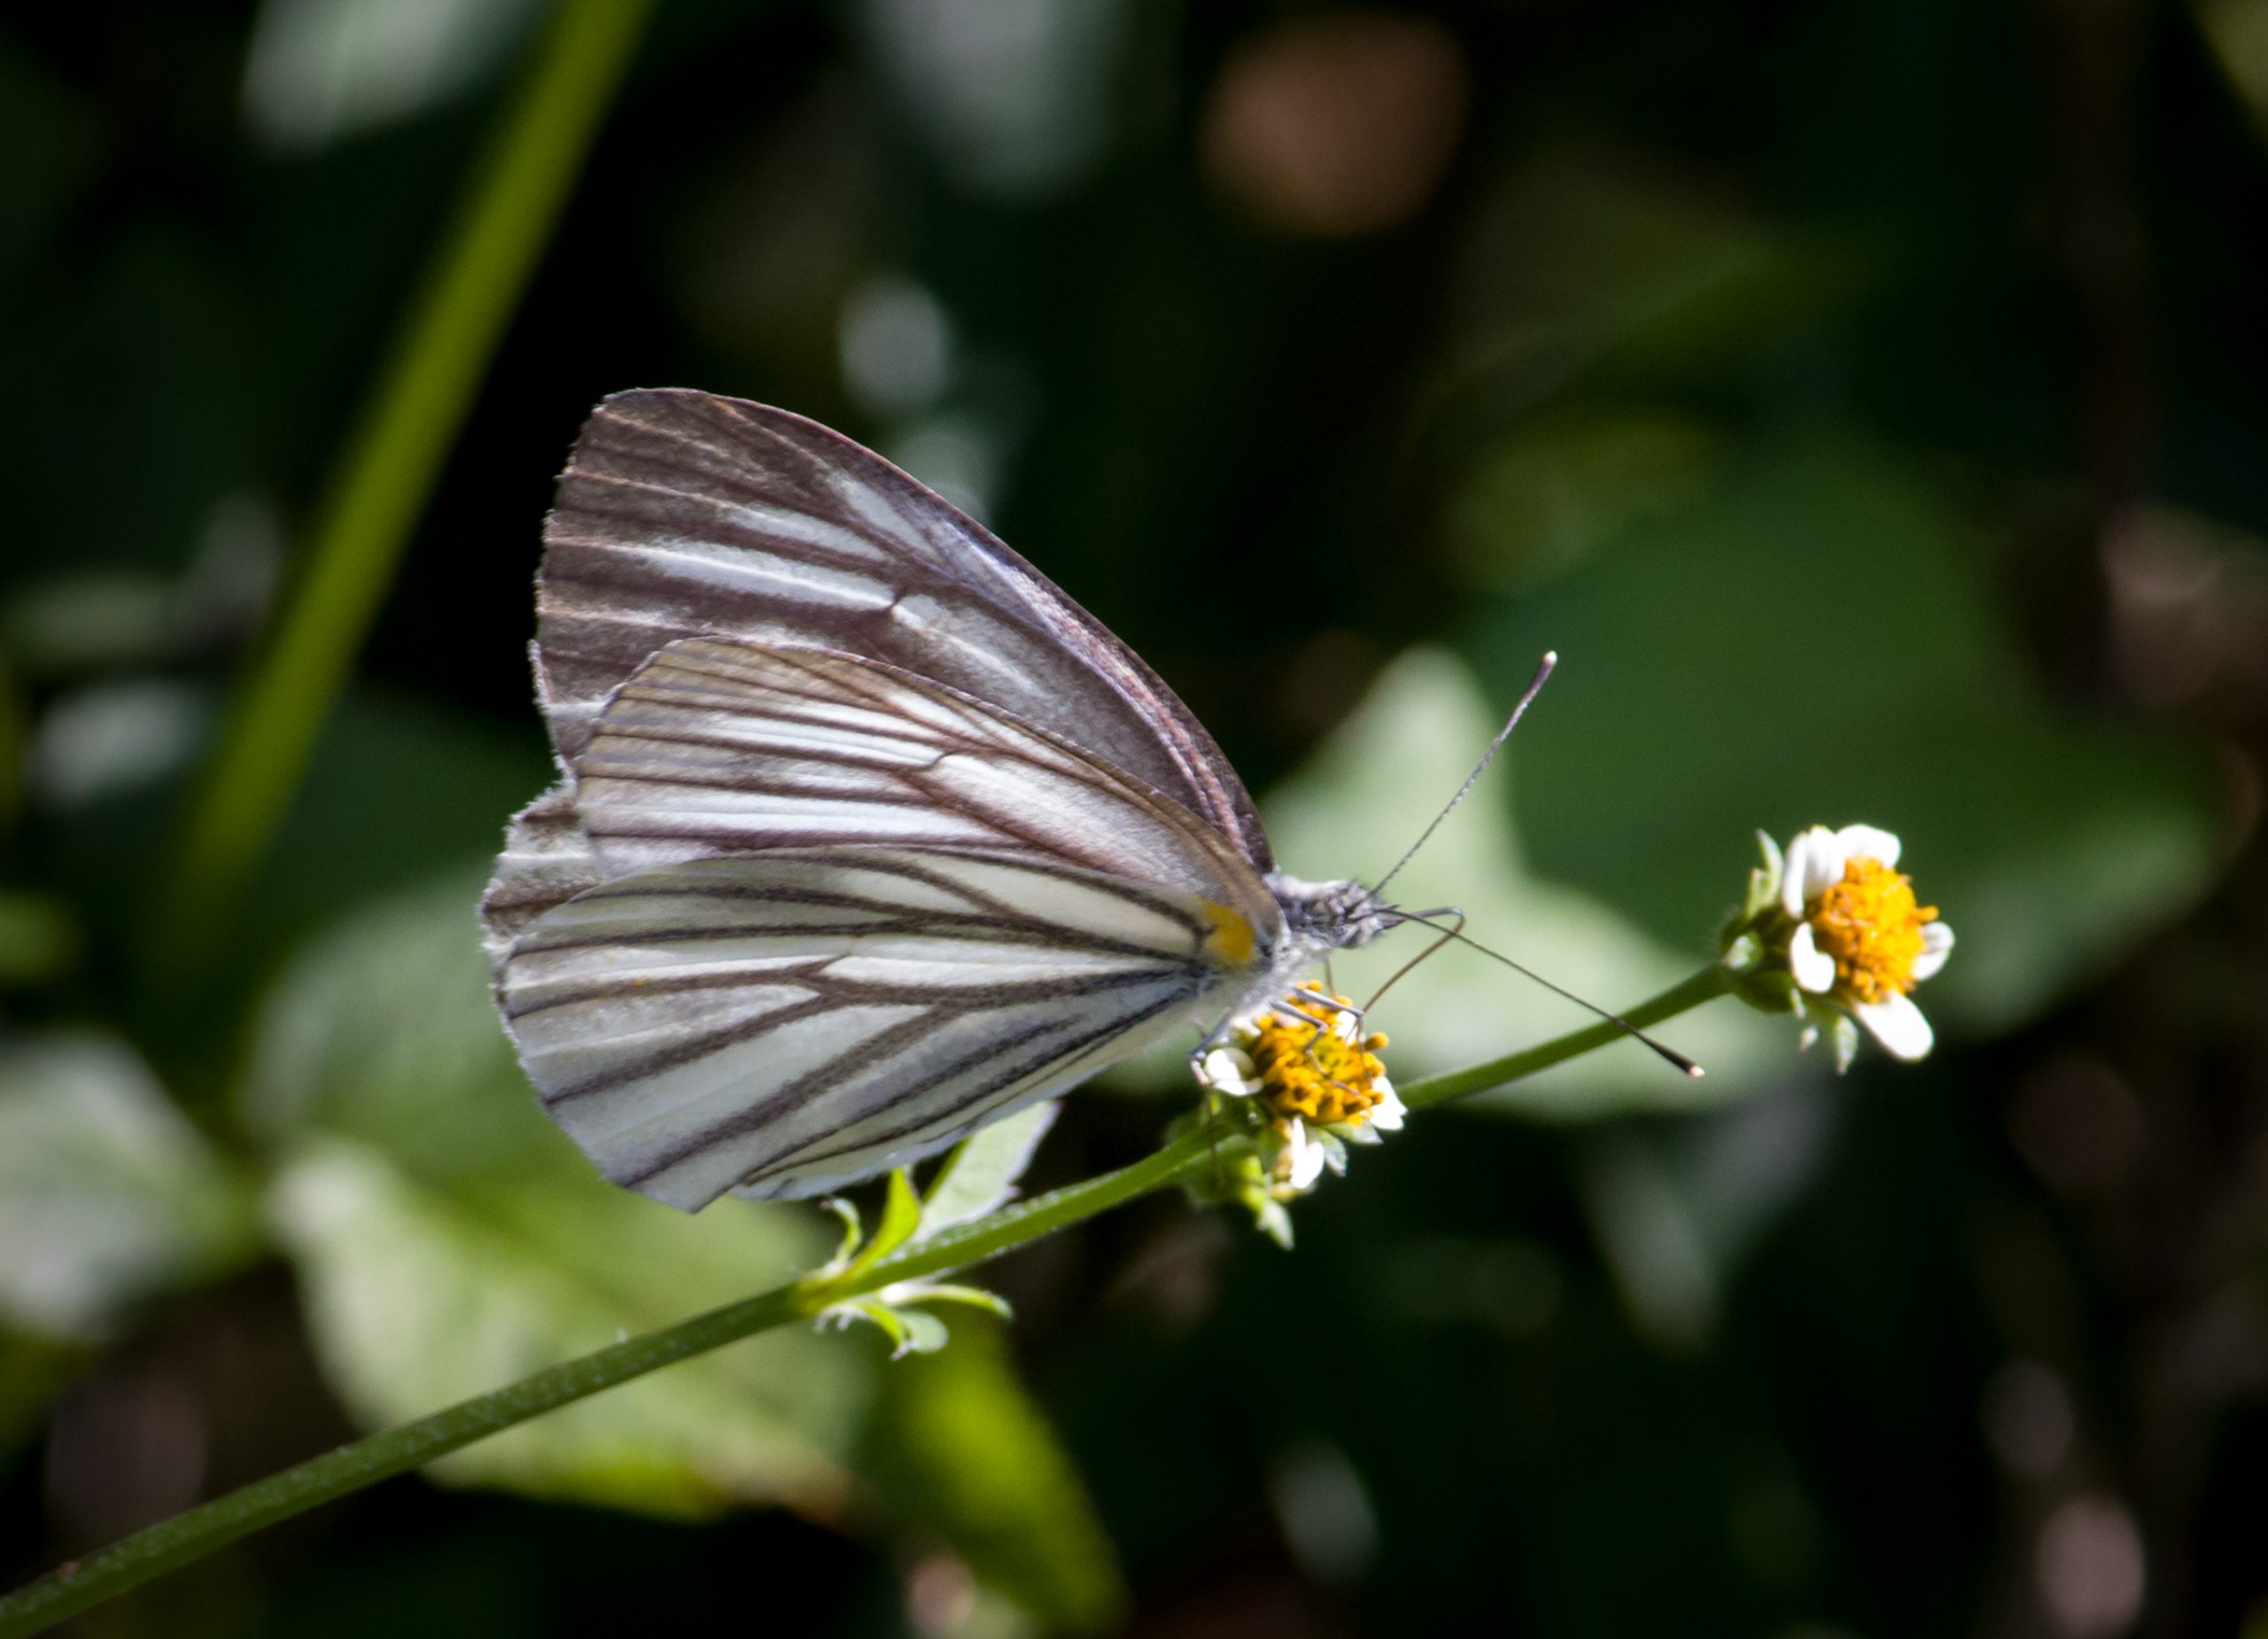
x,y
1668,1054
1396,976
1536,684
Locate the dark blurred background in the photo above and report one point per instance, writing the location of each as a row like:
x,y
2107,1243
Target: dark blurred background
x,y
1867,401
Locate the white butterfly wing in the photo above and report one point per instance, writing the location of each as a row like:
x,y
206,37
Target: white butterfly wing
x,y
681,514
828,917
788,1021
716,748
546,862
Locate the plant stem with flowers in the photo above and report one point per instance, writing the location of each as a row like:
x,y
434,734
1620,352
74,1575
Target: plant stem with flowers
x,y
1280,1108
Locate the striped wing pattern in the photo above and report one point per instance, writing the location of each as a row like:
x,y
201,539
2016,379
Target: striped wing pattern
x,y
682,514
546,862
798,916
720,748
790,1021
868,833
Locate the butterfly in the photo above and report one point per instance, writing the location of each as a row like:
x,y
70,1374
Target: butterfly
x,y
867,834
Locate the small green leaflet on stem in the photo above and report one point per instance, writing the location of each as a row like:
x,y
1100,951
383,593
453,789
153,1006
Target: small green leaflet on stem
x,y
896,1309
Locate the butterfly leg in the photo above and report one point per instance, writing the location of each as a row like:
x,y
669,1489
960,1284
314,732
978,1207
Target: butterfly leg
x,y
1345,1010
1293,1015
1213,1038
1314,997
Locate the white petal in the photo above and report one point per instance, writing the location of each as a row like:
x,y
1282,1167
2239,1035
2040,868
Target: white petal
x,y
1865,842
1386,1115
1225,1069
1306,1156
1814,969
1792,873
1897,1024
1937,944
1816,861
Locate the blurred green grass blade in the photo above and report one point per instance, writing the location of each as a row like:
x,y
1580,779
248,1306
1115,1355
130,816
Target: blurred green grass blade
x,y
392,460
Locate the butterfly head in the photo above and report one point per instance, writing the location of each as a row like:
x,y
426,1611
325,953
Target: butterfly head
x,y
1330,916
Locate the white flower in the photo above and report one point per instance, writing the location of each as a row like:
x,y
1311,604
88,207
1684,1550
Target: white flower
x,y
1386,1115
1816,859
1304,1082
1861,941
1301,1161
1229,1070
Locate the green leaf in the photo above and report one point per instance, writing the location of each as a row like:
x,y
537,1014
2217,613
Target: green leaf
x,y
449,1239
353,834
1817,641
107,1195
925,1333
420,1294
845,1213
973,1297
912,1331
959,1446
382,1028
981,1175
901,1214
1365,796
874,1312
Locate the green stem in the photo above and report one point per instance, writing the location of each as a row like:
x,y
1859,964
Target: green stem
x,y
394,457
1710,983
191,1535
1020,1222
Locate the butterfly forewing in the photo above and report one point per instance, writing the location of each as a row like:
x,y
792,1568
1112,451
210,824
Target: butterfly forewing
x,y
792,1020
716,748
682,514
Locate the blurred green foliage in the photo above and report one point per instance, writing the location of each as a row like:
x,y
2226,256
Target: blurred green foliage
x,y
1865,403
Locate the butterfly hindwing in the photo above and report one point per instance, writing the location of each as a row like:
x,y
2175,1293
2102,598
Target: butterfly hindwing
x,y
546,862
682,514
790,1021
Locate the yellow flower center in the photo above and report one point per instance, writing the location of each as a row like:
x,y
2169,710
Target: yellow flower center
x,y
1307,1069
1871,925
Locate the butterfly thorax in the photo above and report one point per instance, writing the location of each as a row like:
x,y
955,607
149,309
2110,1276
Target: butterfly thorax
x,y
1329,916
